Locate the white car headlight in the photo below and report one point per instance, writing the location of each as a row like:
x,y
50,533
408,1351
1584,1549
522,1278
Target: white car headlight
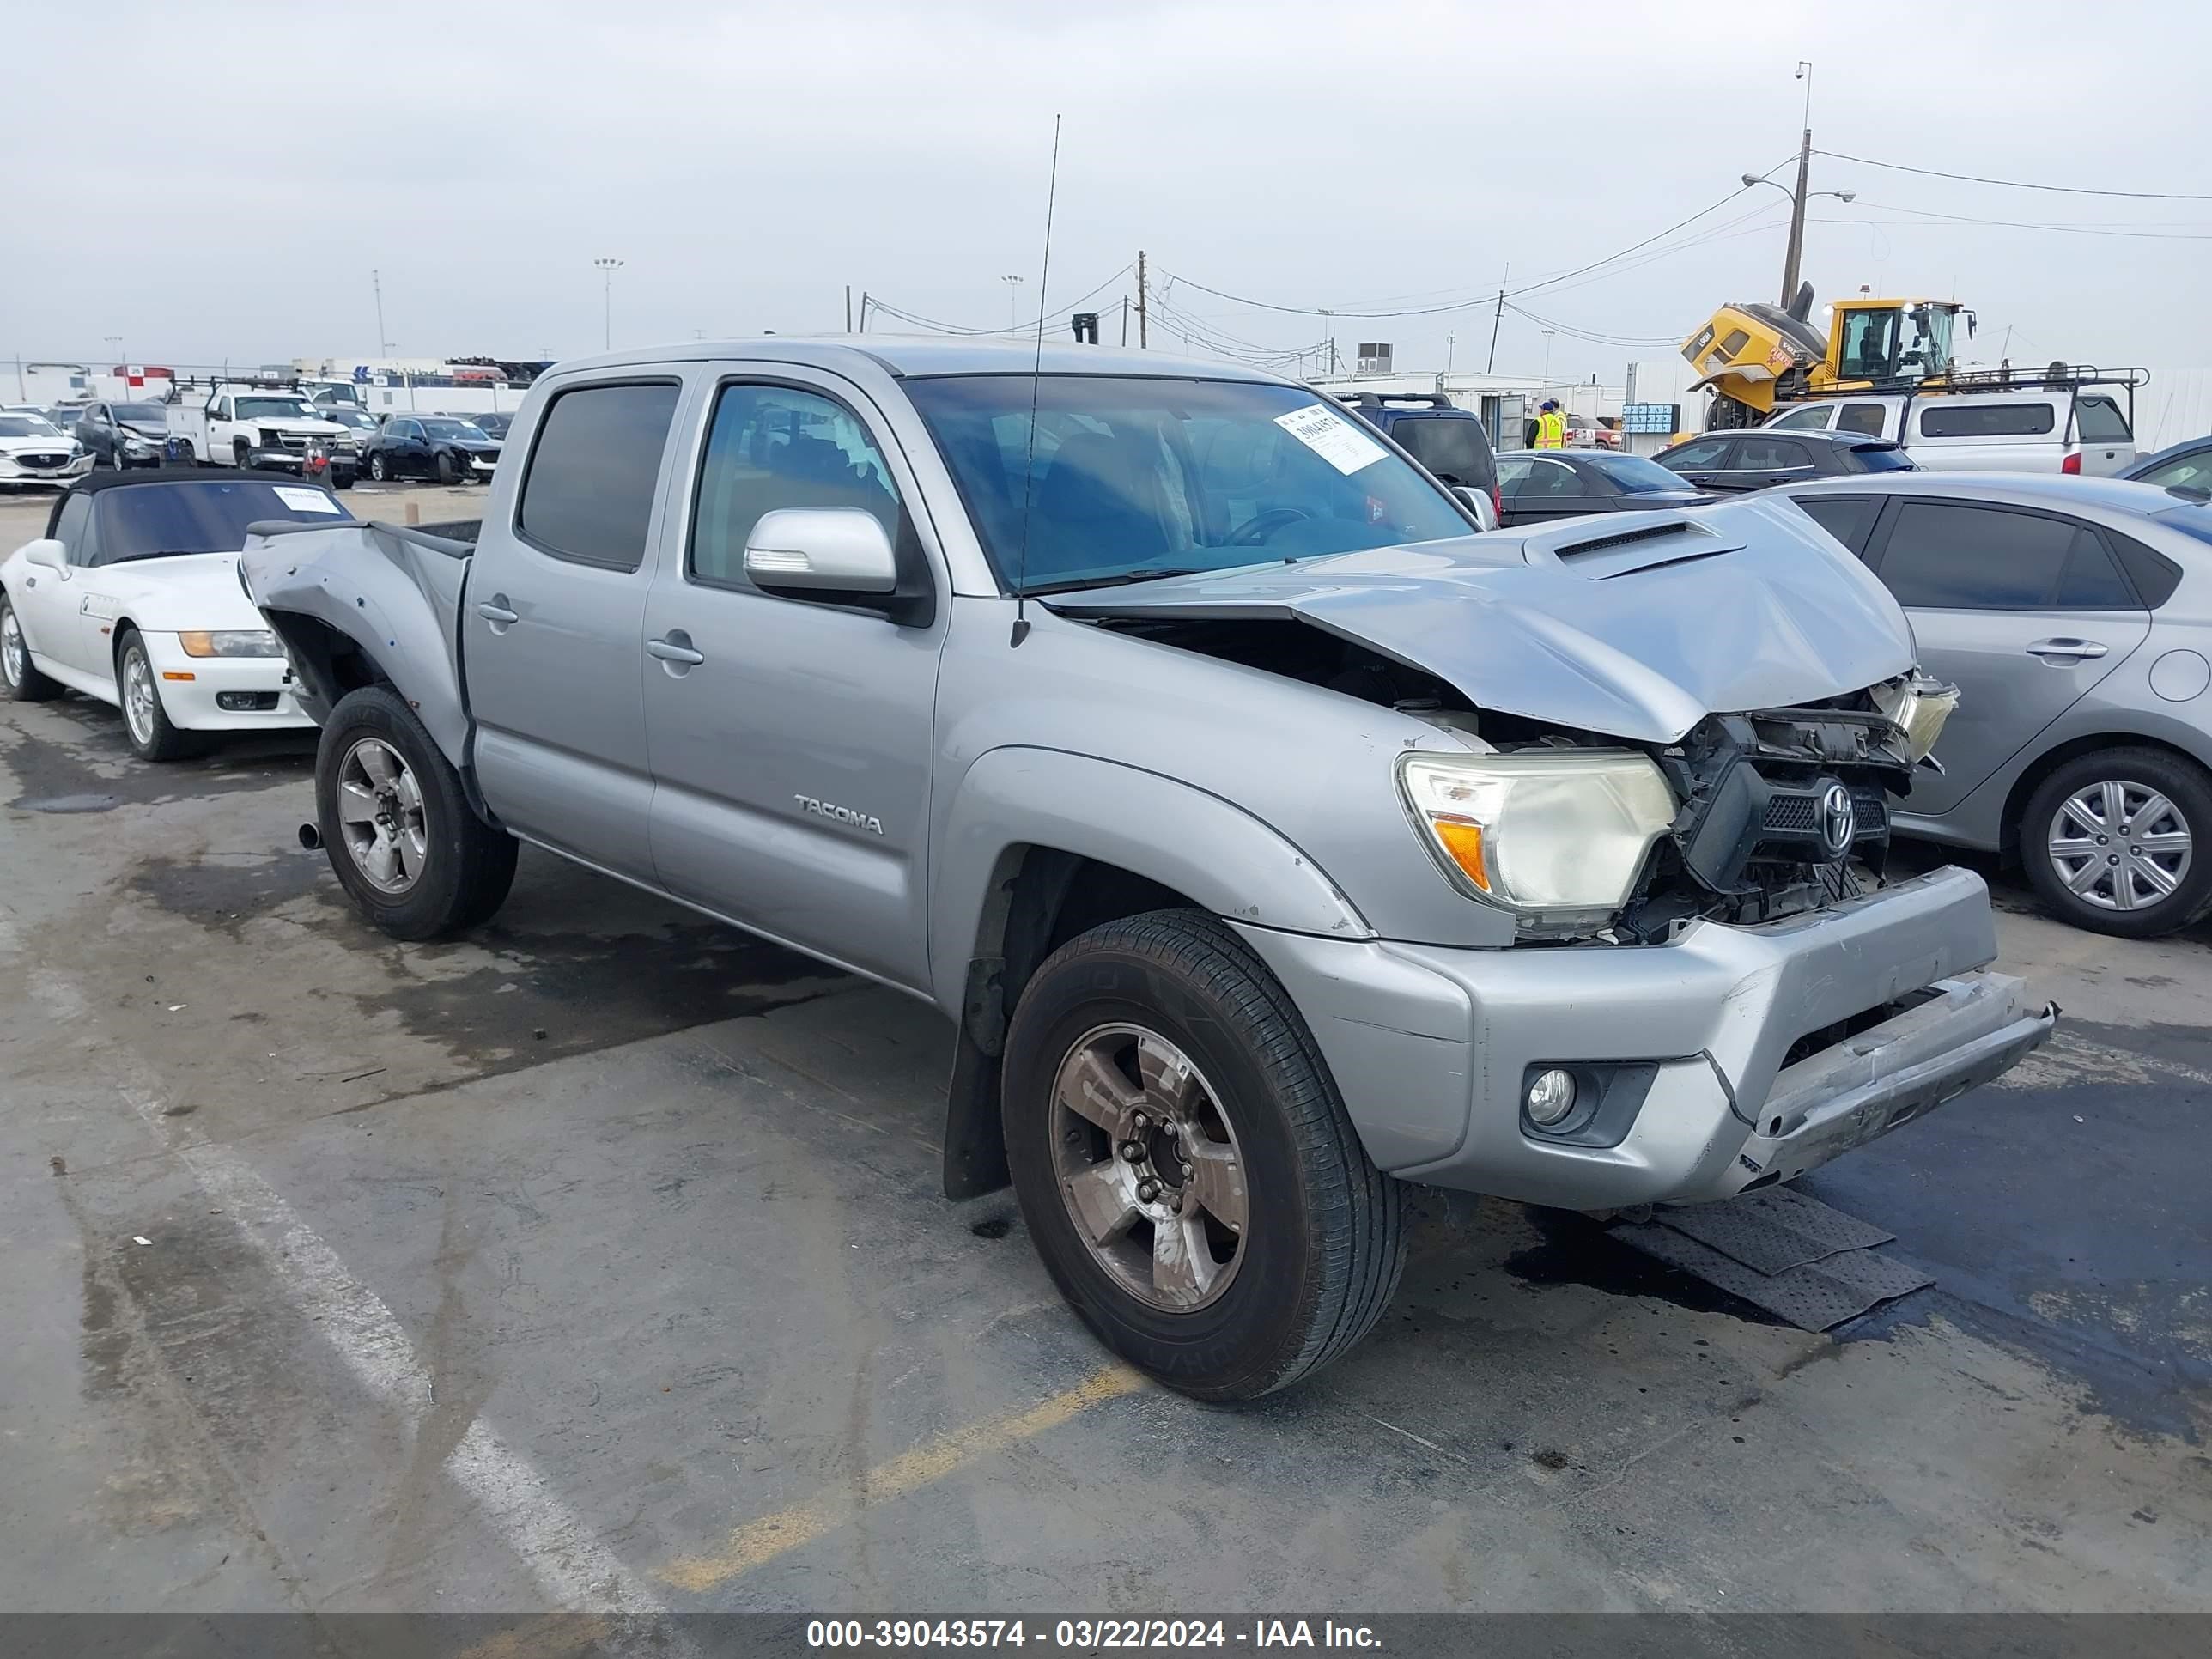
x,y
230,642
1557,834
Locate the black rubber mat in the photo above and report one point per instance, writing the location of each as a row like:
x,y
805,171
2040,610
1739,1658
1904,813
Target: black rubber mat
x,y
1790,1254
1774,1230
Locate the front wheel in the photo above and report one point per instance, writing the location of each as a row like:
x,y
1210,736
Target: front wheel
x,y
2109,842
402,841
447,472
145,719
1185,1163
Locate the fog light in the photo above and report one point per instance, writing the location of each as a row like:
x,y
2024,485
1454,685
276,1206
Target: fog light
x,y
1550,1097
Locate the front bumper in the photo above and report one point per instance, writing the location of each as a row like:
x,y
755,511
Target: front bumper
x,y
12,472
196,703
291,460
1430,1046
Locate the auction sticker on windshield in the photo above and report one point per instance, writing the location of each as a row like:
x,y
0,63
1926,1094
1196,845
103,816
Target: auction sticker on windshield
x,y
304,501
1332,437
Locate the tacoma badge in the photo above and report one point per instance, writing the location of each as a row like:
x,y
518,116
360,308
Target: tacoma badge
x,y
843,814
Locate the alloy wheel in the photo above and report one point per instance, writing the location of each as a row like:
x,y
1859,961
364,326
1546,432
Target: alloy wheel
x,y
2120,845
138,694
14,655
380,817
1149,1168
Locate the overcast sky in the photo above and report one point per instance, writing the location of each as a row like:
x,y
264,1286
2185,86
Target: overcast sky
x,y
213,193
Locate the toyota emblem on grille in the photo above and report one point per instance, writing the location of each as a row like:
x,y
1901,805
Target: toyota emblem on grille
x,y
1839,820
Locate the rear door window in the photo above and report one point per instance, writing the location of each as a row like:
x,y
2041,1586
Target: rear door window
x,y
1757,452
588,493
2099,420
1945,556
1454,447
1872,419
1702,457
1940,419
1847,518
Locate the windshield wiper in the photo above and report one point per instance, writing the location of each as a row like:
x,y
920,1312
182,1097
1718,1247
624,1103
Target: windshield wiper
x,y
1079,584
156,553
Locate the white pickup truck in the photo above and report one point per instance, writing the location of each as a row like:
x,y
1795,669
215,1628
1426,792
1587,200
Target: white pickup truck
x,y
270,429
2027,428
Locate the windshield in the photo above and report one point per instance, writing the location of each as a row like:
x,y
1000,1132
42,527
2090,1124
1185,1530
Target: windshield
x,y
257,409
141,414
1453,446
195,517
1135,474
26,426
1633,474
461,430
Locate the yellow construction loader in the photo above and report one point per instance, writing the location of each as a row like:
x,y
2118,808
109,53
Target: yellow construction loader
x,y
1756,356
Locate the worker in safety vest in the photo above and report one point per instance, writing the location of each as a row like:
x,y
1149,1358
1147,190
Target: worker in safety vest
x,y
1550,426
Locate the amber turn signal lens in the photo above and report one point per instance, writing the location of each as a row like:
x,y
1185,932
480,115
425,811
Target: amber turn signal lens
x,y
1462,839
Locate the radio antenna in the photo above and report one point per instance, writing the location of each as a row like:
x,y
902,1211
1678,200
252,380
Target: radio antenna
x,y
1036,385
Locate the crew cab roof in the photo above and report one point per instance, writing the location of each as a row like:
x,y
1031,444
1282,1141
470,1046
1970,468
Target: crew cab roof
x,y
932,355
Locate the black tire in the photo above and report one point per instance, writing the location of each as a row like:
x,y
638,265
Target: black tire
x,y
469,865
342,481
378,471
22,677
2139,771
159,739
1320,1253
448,473
242,453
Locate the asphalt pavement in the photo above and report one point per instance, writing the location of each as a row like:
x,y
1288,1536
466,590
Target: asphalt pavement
x,y
597,1261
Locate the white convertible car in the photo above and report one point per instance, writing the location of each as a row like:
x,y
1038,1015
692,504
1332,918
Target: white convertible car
x,y
132,596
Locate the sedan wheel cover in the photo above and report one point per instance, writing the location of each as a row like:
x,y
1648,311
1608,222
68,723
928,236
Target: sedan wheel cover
x,y
1148,1168
13,659
380,817
2120,845
138,695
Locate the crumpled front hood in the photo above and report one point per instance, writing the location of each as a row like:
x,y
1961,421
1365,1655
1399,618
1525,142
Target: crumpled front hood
x,y
1636,626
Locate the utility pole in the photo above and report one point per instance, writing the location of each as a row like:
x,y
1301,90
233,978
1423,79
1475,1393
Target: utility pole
x,y
1791,259
1144,333
1125,319
376,282
848,307
1496,317
606,268
864,311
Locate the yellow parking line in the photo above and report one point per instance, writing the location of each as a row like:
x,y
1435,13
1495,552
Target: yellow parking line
x,y
760,1540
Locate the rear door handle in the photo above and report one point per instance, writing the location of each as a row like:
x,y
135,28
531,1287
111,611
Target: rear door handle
x,y
2065,650
673,649
493,609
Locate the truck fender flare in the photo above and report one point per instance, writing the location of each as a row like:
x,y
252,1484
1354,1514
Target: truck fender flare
x,y
1175,834
400,610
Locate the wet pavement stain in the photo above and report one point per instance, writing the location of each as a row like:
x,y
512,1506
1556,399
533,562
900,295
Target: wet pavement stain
x,y
94,771
226,892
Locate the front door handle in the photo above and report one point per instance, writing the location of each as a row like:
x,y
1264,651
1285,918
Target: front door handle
x,y
2065,650
676,647
495,609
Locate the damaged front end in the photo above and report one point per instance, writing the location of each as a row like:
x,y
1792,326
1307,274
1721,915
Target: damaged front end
x,y
1784,810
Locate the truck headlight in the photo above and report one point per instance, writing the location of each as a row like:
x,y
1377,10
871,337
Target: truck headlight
x,y
1557,834
1918,706
230,642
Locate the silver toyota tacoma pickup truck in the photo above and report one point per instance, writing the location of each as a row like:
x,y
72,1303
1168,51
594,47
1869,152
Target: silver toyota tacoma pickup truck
x,y
1273,839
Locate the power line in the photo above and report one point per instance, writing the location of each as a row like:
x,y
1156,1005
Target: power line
x,y
2015,183
878,303
2143,231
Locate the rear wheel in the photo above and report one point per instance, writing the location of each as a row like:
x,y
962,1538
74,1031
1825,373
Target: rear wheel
x,y
379,470
25,683
417,861
1185,1164
145,719
2109,842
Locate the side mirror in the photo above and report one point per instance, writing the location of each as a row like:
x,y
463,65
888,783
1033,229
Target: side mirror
x,y
840,550
48,553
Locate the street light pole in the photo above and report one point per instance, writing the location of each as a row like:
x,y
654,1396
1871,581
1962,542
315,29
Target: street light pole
x,y
1013,301
115,345
1793,256
606,268
1547,358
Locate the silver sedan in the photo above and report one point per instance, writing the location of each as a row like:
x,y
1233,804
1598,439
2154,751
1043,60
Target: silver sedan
x,y
2075,616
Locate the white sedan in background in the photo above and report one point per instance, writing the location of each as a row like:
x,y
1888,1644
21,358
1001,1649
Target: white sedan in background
x,y
34,451
132,596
